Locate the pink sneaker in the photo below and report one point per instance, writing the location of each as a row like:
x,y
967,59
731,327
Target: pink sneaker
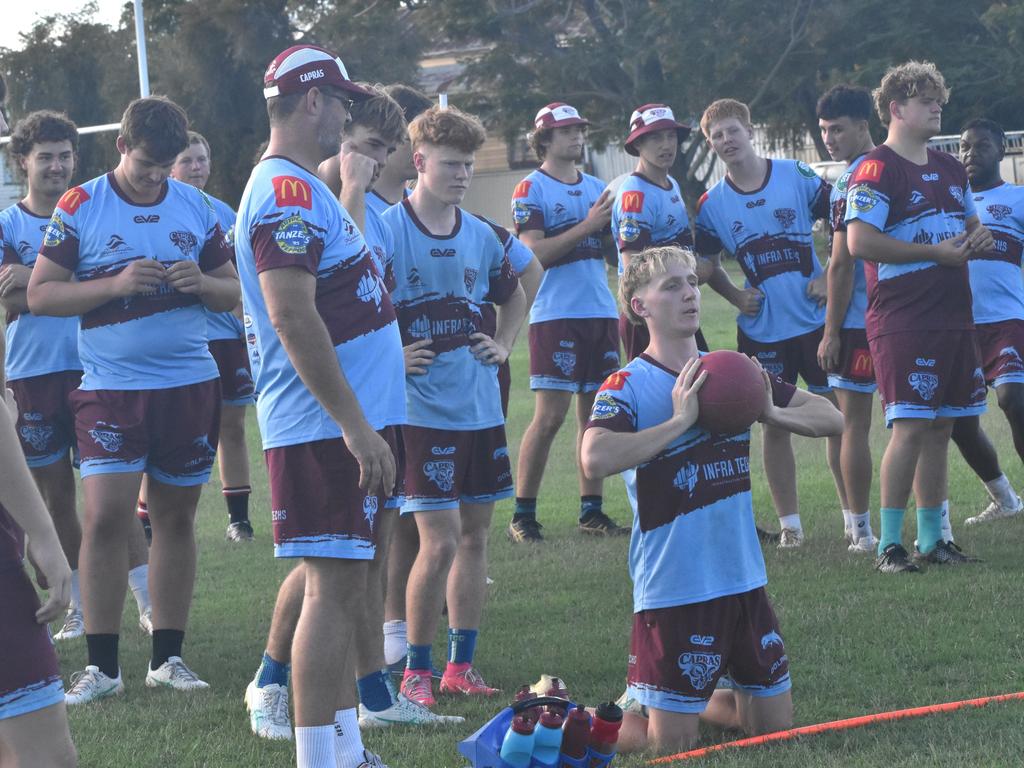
x,y
462,678
416,687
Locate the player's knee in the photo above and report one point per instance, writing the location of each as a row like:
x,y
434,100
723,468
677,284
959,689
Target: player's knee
x,y
1011,400
439,550
547,422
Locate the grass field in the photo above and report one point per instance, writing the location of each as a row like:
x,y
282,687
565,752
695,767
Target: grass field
x,y
858,642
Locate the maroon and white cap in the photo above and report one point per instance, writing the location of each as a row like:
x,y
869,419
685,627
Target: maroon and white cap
x,y
650,118
301,67
558,115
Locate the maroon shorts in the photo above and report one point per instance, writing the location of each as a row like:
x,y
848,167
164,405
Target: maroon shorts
x,y
929,374
29,675
856,372
573,355
677,655
317,507
445,467
1001,346
789,358
46,425
170,434
232,357
505,385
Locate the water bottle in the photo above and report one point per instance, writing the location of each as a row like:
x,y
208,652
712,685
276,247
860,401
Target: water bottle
x,y
525,693
517,747
604,734
575,736
547,739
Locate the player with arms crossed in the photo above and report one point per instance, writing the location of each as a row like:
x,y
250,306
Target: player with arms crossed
x,y
42,364
140,258
998,304
910,216
762,213
330,384
446,264
562,214
700,607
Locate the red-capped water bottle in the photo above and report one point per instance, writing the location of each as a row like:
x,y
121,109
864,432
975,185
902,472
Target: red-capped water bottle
x,y
575,738
525,693
604,733
517,747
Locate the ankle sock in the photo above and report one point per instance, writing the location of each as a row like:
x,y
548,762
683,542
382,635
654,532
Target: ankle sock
x,y
461,645
525,507
590,505
891,530
929,528
237,499
166,643
395,640
271,672
102,651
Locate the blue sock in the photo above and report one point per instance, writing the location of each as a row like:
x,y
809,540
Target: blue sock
x,y
589,505
374,692
418,657
461,645
271,672
525,507
929,528
892,527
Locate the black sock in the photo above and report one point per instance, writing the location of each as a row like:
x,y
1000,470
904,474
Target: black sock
x,y
166,643
103,653
525,507
590,505
237,500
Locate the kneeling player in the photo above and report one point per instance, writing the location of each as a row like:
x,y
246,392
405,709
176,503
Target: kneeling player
x,y
700,608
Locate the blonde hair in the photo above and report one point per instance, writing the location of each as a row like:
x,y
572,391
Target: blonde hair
x,y
449,127
379,113
723,109
904,82
643,267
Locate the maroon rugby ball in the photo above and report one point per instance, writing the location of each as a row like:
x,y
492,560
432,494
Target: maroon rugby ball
x,y
732,397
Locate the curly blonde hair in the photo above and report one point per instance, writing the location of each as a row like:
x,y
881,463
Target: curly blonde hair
x,y
449,127
904,82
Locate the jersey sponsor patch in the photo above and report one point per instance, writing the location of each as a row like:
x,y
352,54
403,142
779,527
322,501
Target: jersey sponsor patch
x,y
292,235
72,200
605,407
54,234
615,382
869,170
863,198
520,212
632,202
292,191
629,229
522,189
805,170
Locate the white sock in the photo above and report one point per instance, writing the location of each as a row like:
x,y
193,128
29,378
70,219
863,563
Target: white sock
x,y
314,746
947,529
847,521
861,525
138,580
1001,490
76,592
348,743
791,521
395,640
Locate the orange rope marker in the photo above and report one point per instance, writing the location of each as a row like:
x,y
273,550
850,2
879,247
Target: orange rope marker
x,y
839,725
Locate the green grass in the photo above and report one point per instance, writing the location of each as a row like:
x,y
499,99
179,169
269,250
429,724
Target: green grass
x,y
858,642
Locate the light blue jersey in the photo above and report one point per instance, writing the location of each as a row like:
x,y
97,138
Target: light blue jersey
x,y
693,533
288,218
36,344
645,214
224,325
381,242
995,276
442,282
858,305
156,340
575,286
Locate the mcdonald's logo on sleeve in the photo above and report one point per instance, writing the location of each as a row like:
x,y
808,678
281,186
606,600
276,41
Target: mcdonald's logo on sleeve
x,y
291,191
869,170
522,189
632,202
72,200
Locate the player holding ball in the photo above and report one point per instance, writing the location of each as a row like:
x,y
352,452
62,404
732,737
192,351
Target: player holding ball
x,y
699,597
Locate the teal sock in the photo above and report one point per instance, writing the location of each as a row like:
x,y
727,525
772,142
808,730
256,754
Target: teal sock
x,y
892,527
929,528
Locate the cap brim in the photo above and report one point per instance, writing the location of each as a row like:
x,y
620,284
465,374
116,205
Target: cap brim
x,y
682,131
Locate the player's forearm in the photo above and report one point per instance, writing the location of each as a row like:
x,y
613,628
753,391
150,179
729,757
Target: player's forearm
x,y
530,279
723,285
308,345
812,416
604,453
548,250
221,293
18,492
60,298
840,289
353,200
866,242
510,317
16,301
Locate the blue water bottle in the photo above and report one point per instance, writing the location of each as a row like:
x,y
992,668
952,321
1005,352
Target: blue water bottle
x,y
547,739
517,747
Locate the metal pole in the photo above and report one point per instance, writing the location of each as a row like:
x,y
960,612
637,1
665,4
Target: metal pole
x,y
140,45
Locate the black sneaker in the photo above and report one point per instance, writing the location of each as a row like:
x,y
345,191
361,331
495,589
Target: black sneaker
x,y
524,529
767,537
945,553
599,524
894,559
240,531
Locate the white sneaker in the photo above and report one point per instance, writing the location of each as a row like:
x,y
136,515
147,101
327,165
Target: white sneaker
x,y
268,711
92,685
996,511
864,545
403,712
791,538
371,760
74,626
174,674
146,621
